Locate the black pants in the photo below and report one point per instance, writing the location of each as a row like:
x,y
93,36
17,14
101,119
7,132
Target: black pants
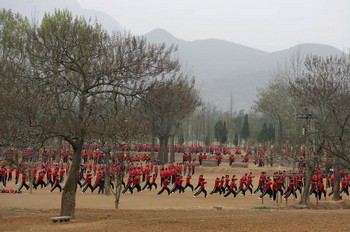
x,y
56,186
41,183
275,191
229,192
216,190
241,190
249,188
147,185
259,188
88,186
269,191
162,190
188,185
345,190
320,194
128,187
201,190
289,192
24,184
138,187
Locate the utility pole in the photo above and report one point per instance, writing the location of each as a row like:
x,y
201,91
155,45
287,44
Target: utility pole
x,y
309,158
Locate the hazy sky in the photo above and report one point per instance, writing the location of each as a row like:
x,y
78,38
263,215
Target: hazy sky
x,y
268,25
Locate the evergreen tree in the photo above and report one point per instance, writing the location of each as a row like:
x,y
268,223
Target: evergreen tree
x,y
263,135
245,128
235,139
221,132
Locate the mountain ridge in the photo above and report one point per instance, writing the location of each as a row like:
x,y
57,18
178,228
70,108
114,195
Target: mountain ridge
x,y
223,67
220,67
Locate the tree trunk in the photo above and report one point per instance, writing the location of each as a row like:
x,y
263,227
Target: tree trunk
x,y
163,149
70,188
58,149
153,143
118,187
310,167
172,150
107,173
31,178
336,194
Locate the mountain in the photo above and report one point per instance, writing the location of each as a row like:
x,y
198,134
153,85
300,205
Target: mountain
x,y
224,68
35,9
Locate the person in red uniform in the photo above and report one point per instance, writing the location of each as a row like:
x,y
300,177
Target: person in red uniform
x,y
276,187
40,181
165,187
249,183
200,179
9,173
188,182
97,180
128,185
320,188
57,184
261,183
153,183
241,187
61,173
148,184
267,189
136,183
345,186
232,188
23,184
178,185
231,159
227,182
17,176
88,180
218,159
216,188
201,188
290,190
313,188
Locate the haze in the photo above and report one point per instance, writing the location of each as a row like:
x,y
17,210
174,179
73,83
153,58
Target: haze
x,y
268,25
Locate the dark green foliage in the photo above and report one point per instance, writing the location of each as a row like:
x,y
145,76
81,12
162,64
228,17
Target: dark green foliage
x,y
267,133
235,139
221,132
245,128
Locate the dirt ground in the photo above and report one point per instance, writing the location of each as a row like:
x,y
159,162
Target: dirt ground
x,y
145,211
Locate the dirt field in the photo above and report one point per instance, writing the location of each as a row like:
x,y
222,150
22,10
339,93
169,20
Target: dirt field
x,y
145,211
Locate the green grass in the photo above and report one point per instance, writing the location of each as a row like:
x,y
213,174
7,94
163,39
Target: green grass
x,y
263,207
17,209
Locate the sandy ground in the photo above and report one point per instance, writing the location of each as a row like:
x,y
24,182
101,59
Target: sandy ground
x,y
145,211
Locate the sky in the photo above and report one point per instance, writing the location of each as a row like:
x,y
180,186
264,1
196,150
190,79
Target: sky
x,y
268,25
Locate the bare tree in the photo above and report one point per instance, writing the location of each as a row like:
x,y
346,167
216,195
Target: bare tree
x,y
324,90
70,67
166,106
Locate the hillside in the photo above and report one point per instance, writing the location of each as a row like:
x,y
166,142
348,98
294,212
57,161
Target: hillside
x,y
35,9
222,67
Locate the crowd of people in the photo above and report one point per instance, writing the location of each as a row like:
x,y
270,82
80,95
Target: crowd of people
x,y
140,172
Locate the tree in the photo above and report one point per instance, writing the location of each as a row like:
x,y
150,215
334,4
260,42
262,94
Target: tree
x,y
245,128
324,91
166,106
278,106
221,132
263,135
71,68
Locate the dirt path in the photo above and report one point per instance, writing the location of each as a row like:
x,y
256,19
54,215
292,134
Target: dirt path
x,y
146,211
